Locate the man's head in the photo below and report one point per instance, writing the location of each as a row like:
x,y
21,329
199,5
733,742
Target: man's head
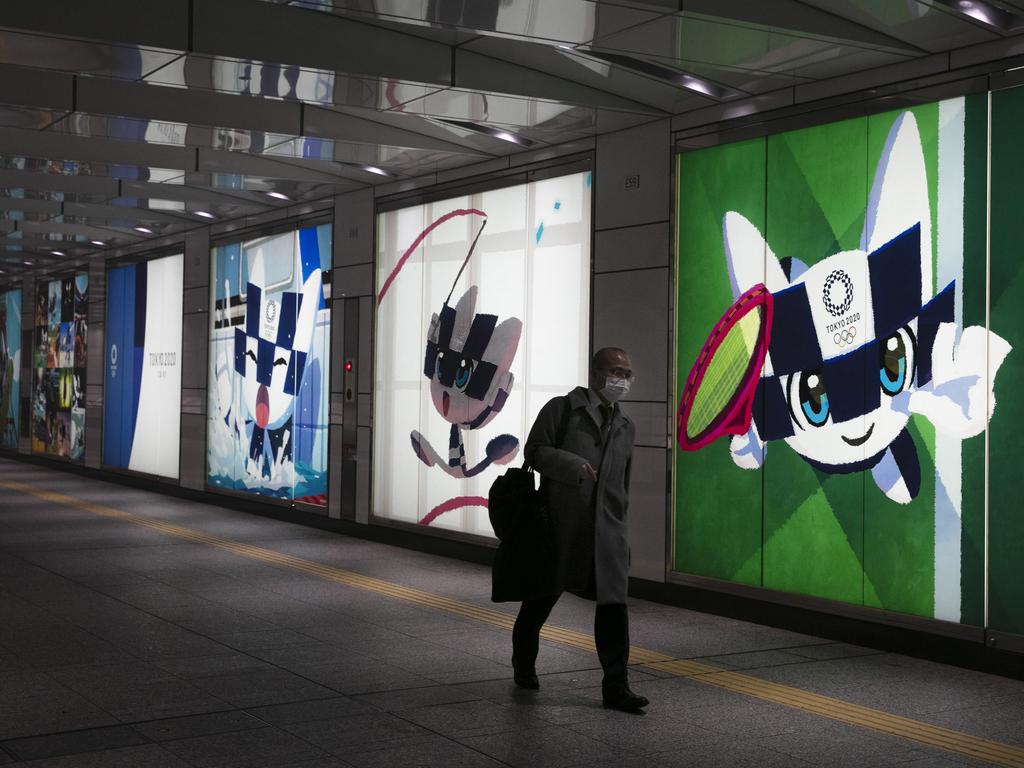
x,y
610,364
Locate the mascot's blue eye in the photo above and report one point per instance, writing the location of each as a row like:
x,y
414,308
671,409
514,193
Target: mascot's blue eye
x,y
463,373
813,398
893,364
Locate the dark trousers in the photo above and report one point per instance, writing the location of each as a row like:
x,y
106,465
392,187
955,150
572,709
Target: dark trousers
x,y
611,636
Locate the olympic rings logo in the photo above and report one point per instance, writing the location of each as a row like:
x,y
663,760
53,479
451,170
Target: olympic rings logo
x,y
845,337
836,309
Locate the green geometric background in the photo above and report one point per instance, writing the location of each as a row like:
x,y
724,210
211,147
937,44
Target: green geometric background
x,y
1006,516
788,526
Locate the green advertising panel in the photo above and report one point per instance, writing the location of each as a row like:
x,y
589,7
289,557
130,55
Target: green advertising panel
x,y
832,361
1006,520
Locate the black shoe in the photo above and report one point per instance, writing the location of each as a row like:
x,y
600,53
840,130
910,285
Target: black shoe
x,y
625,700
525,678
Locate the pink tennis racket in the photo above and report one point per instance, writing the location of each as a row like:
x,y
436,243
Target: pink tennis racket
x,y
718,396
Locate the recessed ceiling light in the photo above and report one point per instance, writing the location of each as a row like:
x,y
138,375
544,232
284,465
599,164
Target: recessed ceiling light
x,y
669,74
376,170
204,214
99,243
27,263
144,231
988,13
487,130
278,195
58,253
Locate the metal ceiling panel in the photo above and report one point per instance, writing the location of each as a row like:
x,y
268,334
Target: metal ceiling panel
x,y
749,81
50,243
333,124
246,30
36,88
683,38
80,56
100,212
540,120
797,17
79,185
30,206
315,171
108,235
567,21
406,118
247,203
179,105
381,160
923,67
63,147
924,25
288,82
30,119
572,77
163,24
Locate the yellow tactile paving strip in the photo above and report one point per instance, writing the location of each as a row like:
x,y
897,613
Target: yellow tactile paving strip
x,y
956,742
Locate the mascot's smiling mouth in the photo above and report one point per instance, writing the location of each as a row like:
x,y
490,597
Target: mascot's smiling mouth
x,y
855,441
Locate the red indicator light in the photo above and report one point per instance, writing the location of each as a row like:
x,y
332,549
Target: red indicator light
x,y
348,366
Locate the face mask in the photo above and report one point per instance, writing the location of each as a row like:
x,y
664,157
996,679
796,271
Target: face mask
x,y
614,388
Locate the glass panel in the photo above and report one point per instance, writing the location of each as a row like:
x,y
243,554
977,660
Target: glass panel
x,y
10,368
142,367
58,403
269,366
529,281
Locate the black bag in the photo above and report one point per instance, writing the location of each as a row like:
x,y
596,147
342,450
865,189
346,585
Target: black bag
x,y
526,561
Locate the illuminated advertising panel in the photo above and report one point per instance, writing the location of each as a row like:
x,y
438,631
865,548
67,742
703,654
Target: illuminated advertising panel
x,y
58,398
142,367
10,368
270,333
472,340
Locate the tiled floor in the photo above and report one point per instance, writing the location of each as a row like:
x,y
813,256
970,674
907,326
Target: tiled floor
x,y
123,646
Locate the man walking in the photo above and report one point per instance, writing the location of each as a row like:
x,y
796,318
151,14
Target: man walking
x,y
582,446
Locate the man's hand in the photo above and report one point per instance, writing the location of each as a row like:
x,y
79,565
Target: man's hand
x,y
588,471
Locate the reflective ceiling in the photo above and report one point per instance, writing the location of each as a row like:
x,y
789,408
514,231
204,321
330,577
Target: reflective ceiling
x,y
122,120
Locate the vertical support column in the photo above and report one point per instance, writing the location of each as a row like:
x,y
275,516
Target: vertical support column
x,y
96,318
195,344
351,345
28,346
632,309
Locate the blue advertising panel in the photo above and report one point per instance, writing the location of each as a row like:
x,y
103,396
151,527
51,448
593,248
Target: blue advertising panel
x,y
10,368
142,376
267,418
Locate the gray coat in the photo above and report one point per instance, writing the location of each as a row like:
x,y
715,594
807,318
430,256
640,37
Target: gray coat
x,y
589,519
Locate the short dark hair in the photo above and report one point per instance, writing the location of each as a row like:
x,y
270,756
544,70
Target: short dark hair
x,y
600,357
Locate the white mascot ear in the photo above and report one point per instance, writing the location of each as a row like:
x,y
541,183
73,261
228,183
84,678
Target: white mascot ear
x,y
748,257
464,312
501,350
256,272
306,320
899,196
